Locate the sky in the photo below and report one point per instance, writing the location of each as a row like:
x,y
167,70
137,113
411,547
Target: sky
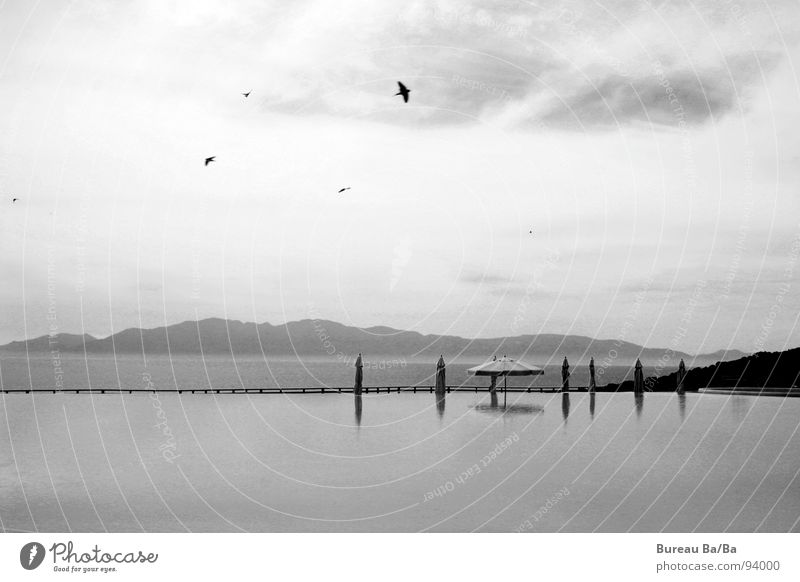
x,y
651,148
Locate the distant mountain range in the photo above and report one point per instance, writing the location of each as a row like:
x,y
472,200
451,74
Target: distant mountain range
x,y
320,338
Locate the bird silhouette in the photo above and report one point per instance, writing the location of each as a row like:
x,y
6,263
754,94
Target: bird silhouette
x,y
209,160
246,95
404,91
14,200
530,232
343,189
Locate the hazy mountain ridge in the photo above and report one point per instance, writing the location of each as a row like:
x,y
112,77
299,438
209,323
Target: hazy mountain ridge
x,y
45,343
320,338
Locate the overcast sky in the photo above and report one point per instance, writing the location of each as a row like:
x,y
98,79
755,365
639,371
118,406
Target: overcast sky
x,y
652,147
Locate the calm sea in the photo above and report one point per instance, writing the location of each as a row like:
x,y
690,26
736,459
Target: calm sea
x,y
388,462
253,372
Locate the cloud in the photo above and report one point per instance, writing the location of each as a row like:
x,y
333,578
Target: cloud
x,y
475,278
502,287
519,65
112,108
663,97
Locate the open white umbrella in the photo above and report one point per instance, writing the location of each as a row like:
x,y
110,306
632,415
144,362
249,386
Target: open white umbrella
x,y
505,367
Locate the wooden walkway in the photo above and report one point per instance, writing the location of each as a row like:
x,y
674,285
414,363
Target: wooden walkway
x,y
288,390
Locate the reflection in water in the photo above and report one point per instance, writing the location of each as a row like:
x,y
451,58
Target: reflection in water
x,y
565,404
358,409
312,439
513,409
682,404
440,403
494,407
591,404
639,401
739,407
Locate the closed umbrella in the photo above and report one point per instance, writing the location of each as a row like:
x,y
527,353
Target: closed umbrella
x,y
681,376
565,375
592,383
638,378
505,367
440,376
359,375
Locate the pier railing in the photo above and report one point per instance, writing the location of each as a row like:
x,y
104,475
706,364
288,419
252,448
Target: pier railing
x,y
289,390
639,385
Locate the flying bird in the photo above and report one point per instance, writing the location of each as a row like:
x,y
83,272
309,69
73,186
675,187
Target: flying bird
x,y
246,95
404,91
343,189
209,160
14,200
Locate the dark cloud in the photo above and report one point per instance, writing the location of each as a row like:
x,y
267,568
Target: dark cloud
x,y
519,65
504,287
484,279
450,87
664,97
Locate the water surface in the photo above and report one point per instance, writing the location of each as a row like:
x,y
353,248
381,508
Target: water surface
x,y
38,372
398,462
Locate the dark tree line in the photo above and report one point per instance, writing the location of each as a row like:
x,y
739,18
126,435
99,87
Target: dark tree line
x,y
760,370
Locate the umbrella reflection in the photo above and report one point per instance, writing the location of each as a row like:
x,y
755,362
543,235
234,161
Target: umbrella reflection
x,y
440,403
638,399
591,404
358,409
682,404
739,407
510,409
565,405
495,408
